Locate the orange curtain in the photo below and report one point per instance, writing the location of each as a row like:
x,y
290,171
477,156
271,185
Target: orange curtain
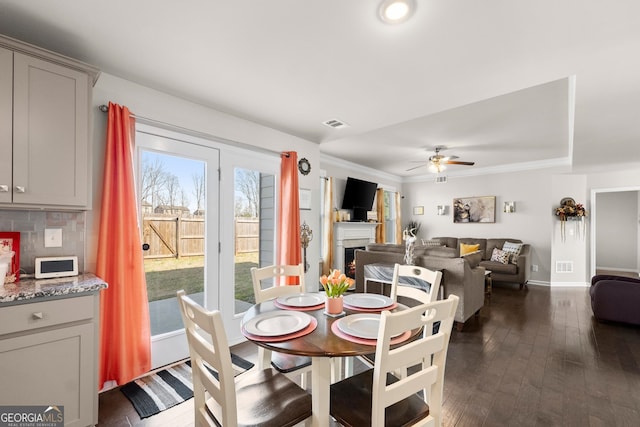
x,y
125,339
289,250
380,228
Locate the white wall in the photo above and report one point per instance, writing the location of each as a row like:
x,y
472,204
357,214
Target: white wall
x,y
531,222
537,194
617,247
161,107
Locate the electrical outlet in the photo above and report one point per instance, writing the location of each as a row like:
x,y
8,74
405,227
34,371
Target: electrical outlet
x,y
534,267
53,237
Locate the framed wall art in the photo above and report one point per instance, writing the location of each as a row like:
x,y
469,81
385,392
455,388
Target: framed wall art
x,y
418,210
10,241
474,209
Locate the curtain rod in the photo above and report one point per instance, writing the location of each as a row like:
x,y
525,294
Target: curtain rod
x,y
204,135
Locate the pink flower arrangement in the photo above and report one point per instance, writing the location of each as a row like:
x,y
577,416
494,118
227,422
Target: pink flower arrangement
x,y
336,283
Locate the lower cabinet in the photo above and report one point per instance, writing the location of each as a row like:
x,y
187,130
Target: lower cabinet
x,y
52,359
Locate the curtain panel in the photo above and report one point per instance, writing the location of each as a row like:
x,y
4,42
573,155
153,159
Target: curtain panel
x,y
380,228
125,339
289,249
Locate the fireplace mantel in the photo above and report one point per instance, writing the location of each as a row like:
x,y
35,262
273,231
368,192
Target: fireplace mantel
x,y
348,235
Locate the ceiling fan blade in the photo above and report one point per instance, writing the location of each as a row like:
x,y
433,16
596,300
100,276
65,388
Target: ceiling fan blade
x,y
455,162
415,167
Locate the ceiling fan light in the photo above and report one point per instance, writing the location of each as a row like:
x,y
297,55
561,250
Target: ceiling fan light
x,y
396,11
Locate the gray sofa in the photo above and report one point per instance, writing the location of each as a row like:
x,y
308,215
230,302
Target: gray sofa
x,y
507,273
462,276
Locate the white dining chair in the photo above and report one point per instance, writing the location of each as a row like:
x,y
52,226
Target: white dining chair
x,y
410,281
254,398
376,397
268,283
415,280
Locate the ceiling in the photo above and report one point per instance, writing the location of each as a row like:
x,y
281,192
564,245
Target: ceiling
x,y
506,84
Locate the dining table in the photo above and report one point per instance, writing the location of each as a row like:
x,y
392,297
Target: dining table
x,y
321,339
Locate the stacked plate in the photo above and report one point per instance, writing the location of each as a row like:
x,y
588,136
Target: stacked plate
x,y
303,301
368,302
361,325
277,323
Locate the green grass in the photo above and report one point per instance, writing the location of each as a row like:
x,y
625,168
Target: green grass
x,y
167,275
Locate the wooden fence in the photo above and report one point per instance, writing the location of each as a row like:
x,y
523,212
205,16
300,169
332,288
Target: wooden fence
x,y
176,237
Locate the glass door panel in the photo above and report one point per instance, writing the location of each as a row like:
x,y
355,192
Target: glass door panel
x,y
176,209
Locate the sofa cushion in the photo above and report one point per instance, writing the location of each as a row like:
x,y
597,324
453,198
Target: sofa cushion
x,y
497,243
465,249
432,242
385,247
476,241
450,242
473,258
513,249
498,267
500,256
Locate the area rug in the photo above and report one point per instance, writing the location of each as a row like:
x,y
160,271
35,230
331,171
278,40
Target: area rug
x,y
162,390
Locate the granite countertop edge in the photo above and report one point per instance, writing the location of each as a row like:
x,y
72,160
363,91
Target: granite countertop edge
x,y
32,290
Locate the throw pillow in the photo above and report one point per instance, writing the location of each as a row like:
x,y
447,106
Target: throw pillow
x,y
500,256
465,249
513,249
432,242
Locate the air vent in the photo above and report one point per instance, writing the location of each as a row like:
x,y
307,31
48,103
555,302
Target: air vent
x,y
441,179
335,124
564,266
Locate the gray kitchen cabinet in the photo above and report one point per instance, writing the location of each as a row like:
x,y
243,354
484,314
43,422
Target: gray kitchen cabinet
x,y
49,114
48,356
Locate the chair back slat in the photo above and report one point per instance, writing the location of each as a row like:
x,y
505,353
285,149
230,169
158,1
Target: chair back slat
x,y
429,350
269,282
417,274
208,345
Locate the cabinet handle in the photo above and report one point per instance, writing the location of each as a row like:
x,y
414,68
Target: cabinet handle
x,y
38,315
20,189
4,188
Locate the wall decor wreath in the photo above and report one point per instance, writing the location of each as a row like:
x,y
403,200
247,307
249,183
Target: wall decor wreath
x,y
570,210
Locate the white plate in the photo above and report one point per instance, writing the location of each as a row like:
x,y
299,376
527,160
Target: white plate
x,y
277,323
363,325
368,300
301,300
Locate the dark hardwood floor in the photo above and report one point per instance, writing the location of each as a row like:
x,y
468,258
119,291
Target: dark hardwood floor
x,y
534,357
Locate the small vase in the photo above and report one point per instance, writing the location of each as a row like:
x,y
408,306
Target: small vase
x,y
334,305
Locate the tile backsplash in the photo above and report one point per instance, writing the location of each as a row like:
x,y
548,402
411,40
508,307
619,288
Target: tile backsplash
x,y
31,225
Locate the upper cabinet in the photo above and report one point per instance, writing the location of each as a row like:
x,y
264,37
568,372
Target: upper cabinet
x,y
44,116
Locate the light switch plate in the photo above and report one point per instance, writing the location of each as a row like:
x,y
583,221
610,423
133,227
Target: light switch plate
x,y
53,237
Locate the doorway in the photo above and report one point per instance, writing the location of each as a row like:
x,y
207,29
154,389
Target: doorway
x,y
178,193
615,231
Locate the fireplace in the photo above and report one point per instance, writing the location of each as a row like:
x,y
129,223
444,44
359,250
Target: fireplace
x,y
350,261
349,236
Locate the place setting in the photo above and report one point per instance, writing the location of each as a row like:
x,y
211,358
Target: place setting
x,y
300,302
362,328
281,325
366,302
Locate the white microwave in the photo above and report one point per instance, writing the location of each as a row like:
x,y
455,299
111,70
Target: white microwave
x,y
61,266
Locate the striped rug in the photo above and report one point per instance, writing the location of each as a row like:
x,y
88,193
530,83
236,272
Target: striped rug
x,y
156,392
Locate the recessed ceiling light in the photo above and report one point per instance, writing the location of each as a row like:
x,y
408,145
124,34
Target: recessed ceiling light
x,y
396,11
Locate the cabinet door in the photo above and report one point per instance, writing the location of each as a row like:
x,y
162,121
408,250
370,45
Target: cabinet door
x,y
54,367
6,119
50,140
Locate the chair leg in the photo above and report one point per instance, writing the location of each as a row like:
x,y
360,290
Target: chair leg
x,y
264,358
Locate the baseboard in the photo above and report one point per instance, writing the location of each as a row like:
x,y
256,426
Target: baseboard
x,y
570,284
538,283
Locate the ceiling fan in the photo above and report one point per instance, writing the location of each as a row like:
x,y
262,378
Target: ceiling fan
x,y
437,162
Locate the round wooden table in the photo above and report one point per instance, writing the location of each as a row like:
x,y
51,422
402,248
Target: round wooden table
x,y
321,345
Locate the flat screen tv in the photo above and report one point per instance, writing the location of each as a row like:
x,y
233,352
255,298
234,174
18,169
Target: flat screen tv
x,y
359,195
